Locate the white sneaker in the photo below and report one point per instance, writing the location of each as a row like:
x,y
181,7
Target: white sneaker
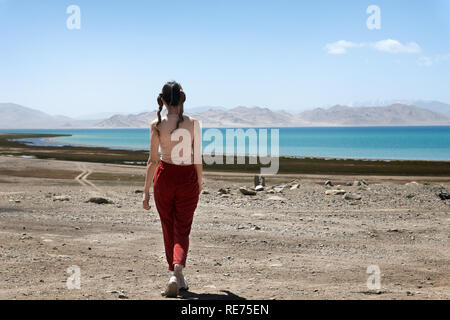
x,y
183,285
171,289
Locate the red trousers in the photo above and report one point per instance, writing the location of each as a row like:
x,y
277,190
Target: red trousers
x,y
176,194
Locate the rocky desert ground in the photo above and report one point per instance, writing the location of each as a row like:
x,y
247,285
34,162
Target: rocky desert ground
x,y
297,239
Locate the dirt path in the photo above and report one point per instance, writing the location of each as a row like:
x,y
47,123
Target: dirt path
x,y
82,178
92,188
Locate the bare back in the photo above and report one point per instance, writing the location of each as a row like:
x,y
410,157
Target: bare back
x,y
172,150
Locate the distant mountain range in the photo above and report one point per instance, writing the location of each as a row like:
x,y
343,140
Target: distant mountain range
x,y
13,116
436,106
394,115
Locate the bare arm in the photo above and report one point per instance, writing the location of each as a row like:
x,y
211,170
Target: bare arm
x,y
152,163
199,168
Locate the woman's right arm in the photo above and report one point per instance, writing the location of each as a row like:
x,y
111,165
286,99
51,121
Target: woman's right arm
x,y
152,163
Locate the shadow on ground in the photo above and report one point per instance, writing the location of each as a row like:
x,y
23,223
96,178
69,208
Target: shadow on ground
x,y
188,295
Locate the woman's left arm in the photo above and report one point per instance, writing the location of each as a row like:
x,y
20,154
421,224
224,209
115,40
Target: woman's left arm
x,y
199,168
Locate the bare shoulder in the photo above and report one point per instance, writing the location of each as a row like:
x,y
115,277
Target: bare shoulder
x,y
192,119
153,123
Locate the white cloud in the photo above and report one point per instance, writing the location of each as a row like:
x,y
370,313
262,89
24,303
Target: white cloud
x,y
388,45
429,61
394,46
340,47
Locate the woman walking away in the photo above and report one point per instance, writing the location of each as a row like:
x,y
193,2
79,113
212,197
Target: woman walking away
x,y
177,179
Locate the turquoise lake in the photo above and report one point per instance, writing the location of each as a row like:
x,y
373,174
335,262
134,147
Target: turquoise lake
x,y
407,143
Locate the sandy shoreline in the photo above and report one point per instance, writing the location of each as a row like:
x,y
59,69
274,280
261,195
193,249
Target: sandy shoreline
x,y
295,244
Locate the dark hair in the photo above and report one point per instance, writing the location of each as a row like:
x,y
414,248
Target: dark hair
x,y
174,96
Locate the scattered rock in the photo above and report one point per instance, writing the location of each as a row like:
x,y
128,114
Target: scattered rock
x,y
275,265
205,192
412,184
61,198
122,296
351,196
358,183
335,192
444,195
226,196
247,192
259,188
223,191
328,183
259,181
276,198
99,200
256,181
278,189
295,186
138,191
256,228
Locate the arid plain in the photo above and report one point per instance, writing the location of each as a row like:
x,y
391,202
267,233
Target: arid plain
x,y
290,241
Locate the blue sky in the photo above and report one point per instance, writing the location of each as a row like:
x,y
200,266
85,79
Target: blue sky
x,y
291,55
